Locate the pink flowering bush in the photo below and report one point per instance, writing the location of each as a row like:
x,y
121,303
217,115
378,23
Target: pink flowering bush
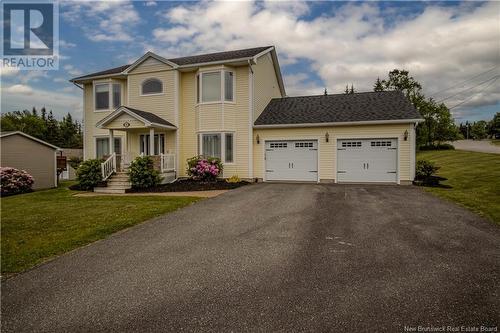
x,y
14,181
204,169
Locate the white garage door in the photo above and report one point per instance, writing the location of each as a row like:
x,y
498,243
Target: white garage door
x,y
292,160
367,160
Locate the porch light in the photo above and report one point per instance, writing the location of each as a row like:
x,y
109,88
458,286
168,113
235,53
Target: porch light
x,y
327,137
258,139
406,135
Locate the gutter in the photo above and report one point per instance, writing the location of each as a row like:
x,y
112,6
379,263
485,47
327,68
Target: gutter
x,y
345,123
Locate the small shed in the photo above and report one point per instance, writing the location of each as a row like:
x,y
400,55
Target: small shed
x,y
70,173
37,157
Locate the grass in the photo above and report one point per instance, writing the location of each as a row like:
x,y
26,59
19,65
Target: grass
x,y
496,142
474,178
40,225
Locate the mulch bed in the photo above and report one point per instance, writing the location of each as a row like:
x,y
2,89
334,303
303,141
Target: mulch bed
x,y
187,185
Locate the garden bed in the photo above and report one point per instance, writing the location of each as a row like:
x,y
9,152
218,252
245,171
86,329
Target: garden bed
x,y
187,185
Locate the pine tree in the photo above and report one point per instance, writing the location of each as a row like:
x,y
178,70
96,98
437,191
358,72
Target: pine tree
x,y
378,86
352,89
325,93
346,91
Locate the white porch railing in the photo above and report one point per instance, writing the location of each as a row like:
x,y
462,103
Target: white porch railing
x,y
167,162
108,167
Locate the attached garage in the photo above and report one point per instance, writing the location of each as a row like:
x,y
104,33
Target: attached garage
x,y
367,160
292,160
357,138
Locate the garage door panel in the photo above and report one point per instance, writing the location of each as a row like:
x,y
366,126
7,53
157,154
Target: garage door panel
x,y
292,160
367,160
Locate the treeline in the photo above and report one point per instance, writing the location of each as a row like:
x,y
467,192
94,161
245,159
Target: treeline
x,y
438,125
65,133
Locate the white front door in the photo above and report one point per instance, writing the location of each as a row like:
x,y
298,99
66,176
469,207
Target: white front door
x,y
292,160
367,160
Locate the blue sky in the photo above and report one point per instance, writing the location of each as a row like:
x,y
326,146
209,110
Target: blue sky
x,y
320,44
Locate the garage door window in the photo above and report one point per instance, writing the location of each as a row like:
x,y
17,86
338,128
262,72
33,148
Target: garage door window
x,y
303,145
350,144
278,145
381,143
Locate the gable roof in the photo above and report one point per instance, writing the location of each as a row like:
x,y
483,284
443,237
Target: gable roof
x,y
386,106
10,133
182,61
148,118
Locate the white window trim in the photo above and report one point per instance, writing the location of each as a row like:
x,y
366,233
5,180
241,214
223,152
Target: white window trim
x,y
110,84
222,87
156,133
223,145
154,94
107,137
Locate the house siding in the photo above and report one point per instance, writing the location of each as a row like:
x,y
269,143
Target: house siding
x,y
35,158
327,151
266,84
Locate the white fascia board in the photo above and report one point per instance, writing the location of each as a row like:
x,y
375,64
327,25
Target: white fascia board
x,y
31,138
346,123
146,56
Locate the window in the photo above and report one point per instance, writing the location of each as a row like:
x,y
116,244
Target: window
x,y
107,95
210,87
278,145
159,144
381,143
303,145
228,86
102,96
102,147
152,86
220,145
116,95
229,148
215,87
210,145
351,144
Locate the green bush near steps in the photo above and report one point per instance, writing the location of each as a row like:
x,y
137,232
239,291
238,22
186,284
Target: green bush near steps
x,y
89,174
142,173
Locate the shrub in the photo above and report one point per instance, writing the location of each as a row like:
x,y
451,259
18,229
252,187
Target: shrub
x,y
442,146
89,174
75,162
234,179
425,169
204,169
142,173
14,181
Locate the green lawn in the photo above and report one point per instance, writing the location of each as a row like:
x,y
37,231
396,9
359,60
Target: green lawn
x,y
474,177
40,225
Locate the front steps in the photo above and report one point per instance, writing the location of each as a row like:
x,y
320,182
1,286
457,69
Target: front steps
x,y
116,184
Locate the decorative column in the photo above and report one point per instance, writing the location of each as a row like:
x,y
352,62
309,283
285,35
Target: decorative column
x,y
111,142
151,141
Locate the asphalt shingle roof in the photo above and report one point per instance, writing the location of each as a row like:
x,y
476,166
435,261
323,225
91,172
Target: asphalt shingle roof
x,y
151,117
191,60
368,106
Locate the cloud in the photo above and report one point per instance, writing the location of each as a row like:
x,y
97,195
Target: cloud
x,y
60,103
355,43
8,71
150,3
104,20
19,89
72,70
63,43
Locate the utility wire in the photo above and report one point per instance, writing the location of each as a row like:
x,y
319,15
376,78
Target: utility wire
x,y
470,97
465,81
461,92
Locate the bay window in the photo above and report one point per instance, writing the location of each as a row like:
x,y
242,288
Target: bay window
x,y
215,87
107,95
219,145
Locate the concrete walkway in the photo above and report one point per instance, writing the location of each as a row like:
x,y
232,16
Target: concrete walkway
x,y
274,258
482,146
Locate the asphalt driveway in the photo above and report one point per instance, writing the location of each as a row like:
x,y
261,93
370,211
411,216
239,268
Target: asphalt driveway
x,y
274,257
